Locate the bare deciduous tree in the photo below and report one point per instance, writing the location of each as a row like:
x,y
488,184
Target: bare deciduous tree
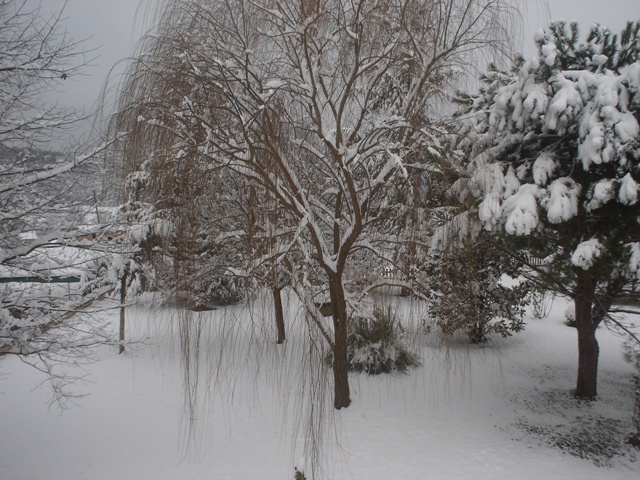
x,y
37,321
322,104
35,56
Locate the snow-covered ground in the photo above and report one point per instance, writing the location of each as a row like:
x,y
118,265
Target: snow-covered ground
x,y
468,413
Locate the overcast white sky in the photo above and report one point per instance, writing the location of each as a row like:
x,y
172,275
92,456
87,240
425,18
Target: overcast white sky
x,y
112,28
108,29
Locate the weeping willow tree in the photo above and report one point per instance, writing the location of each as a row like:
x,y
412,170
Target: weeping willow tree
x,y
186,211
320,106
287,128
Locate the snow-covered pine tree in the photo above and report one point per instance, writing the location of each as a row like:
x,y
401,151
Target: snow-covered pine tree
x,y
557,159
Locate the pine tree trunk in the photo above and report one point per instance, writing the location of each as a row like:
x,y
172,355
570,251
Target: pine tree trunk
x,y
342,395
588,350
279,313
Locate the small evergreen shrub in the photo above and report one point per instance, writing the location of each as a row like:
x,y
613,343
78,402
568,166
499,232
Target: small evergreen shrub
x,y
468,293
375,344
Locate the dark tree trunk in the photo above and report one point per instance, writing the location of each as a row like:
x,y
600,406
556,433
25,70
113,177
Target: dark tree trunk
x,y
123,297
342,395
588,350
279,313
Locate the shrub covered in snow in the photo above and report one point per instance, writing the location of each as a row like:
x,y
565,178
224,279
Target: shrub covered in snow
x,y
570,315
375,344
220,290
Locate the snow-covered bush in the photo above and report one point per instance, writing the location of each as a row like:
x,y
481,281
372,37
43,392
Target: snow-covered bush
x,y
220,290
299,474
570,315
375,344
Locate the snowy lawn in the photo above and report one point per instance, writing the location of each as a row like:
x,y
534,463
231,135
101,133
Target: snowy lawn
x,y
501,411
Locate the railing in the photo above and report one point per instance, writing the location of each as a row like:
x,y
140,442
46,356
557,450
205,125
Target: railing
x,y
54,279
